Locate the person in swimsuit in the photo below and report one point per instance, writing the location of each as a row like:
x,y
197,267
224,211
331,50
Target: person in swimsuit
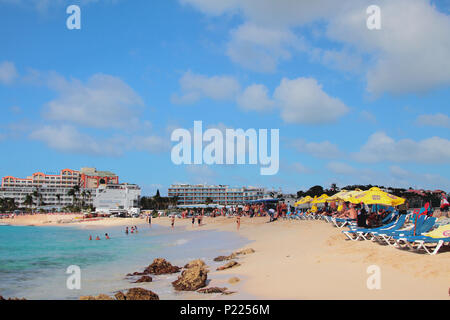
x,y
238,222
173,221
98,238
106,236
193,220
126,230
90,237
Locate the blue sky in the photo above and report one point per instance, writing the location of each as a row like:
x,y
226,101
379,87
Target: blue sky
x,y
352,105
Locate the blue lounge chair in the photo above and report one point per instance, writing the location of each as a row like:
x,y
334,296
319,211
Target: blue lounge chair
x,y
367,233
423,225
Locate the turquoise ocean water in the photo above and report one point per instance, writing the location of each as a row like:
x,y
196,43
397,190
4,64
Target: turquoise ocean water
x,y
34,260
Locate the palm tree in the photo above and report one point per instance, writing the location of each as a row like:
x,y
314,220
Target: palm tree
x,y
72,193
58,198
28,200
38,196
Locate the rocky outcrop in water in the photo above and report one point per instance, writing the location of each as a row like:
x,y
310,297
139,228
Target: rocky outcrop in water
x,y
10,299
193,278
144,279
132,294
99,297
161,266
195,263
229,265
141,294
234,255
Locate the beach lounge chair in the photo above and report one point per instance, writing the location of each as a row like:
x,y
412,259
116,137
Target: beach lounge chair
x,y
368,233
437,237
341,222
395,238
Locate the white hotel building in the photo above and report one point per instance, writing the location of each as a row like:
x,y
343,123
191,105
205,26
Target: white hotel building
x,y
219,194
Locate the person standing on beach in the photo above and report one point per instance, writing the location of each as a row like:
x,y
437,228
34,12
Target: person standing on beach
x,y
193,220
238,222
173,221
150,220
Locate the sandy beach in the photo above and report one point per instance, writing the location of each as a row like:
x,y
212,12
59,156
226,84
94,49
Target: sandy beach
x,y
313,260
304,260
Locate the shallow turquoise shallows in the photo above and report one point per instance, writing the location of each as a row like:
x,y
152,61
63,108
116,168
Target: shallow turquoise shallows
x,y
34,260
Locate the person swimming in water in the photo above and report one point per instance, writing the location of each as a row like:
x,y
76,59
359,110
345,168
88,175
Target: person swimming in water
x,y
90,237
106,236
98,238
126,230
135,229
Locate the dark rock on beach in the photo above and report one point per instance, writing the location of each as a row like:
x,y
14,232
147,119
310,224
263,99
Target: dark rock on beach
x,y
10,299
120,296
234,255
193,278
229,265
144,279
212,290
195,263
135,274
141,294
161,266
132,294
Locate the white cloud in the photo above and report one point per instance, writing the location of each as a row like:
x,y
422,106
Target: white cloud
x,y
260,48
303,101
195,87
324,149
411,51
104,101
201,173
368,116
434,120
68,139
152,144
8,72
299,168
341,168
255,97
409,54
393,176
380,147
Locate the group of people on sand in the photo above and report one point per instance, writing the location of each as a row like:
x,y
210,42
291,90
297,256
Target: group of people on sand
x,y
133,229
364,215
98,238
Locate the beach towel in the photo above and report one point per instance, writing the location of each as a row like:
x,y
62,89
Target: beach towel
x,y
441,232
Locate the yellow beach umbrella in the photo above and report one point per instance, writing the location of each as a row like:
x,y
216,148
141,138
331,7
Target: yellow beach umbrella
x,y
377,196
351,194
338,195
304,200
323,198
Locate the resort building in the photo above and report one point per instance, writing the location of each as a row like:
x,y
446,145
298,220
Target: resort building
x,y
117,197
219,194
51,190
